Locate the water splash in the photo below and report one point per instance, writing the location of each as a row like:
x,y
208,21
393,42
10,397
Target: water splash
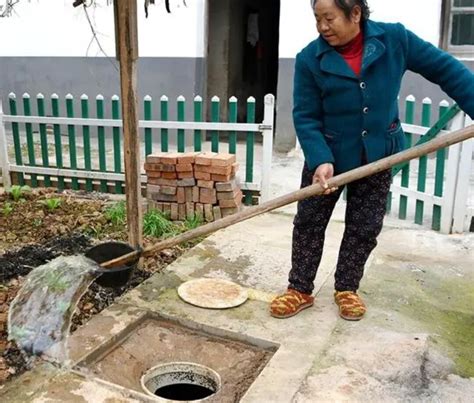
x,y
40,315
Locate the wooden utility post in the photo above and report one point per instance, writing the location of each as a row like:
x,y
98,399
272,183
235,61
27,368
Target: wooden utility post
x,y
126,39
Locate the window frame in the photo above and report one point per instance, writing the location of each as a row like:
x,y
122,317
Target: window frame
x,y
448,10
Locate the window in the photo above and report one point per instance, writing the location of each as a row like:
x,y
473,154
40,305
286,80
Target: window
x,y
458,27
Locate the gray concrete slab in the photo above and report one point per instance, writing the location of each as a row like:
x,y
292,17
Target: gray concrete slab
x,y
415,343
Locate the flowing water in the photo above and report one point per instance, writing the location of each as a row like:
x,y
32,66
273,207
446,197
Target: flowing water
x,y
40,315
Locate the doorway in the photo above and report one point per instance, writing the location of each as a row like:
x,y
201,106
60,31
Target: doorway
x,y
242,58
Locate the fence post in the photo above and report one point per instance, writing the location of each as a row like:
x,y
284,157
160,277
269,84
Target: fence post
x,y
86,140
148,131
16,137
233,119
43,138
439,174
267,132
164,118
181,118
405,179
71,129
116,140
30,142
58,148
99,101
215,113
462,185
5,165
197,118
422,163
249,149
454,155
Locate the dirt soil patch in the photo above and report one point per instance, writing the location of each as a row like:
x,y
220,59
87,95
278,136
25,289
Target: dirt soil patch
x,y
33,235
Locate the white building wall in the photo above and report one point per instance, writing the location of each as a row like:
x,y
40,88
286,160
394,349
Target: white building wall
x,y
55,28
298,28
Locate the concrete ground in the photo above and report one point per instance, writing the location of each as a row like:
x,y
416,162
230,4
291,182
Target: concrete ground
x,y
414,345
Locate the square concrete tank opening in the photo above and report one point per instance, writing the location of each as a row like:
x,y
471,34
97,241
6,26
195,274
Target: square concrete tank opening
x,y
157,342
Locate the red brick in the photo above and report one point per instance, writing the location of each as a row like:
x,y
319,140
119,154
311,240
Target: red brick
x,y
154,158
221,178
153,181
167,182
152,188
153,205
199,208
174,211
207,196
188,191
202,168
148,166
217,213
202,175
163,198
169,158
185,175
187,158
206,184
228,195
237,202
190,210
184,168
204,158
187,182
181,195
223,159
235,168
168,168
229,211
221,170
226,186
167,209
154,174
182,211
208,214
168,190
195,194
169,175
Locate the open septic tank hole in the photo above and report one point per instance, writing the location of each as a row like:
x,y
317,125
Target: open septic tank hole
x,y
181,381
166,359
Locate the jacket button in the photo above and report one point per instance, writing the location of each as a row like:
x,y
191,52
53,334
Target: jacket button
x,y
365,110
364,133
362,85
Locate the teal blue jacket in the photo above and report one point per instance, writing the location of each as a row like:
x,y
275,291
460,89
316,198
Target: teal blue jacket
x,y
340,117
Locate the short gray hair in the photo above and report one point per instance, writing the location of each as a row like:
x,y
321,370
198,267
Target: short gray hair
x,y
348,5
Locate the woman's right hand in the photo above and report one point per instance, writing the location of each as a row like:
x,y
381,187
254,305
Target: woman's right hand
x,y
323,173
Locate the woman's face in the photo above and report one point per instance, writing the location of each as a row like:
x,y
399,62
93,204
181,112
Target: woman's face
x,y
333,24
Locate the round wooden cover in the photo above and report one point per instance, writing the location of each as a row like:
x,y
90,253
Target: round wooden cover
x,y
212,293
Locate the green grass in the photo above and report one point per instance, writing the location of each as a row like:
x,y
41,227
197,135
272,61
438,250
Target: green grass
x,y
193,222
6,209
116,213
52,203
16,192
158,225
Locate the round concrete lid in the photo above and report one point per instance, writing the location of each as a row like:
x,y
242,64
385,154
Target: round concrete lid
x,y
212,293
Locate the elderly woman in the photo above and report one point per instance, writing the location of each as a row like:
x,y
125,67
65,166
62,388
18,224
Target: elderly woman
x,y
345,113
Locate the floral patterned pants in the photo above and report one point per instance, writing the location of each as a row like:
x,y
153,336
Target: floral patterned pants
x,y
365,211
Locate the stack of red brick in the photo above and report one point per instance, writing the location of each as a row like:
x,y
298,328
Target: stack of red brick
x,y
188,184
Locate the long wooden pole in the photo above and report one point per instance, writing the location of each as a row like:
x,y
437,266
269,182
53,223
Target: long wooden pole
x,y
126,36
313,190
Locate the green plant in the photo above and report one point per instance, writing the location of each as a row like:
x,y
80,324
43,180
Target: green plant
x,y
17,191
37,222
193,222
158,225
116,213
52,203
6,209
